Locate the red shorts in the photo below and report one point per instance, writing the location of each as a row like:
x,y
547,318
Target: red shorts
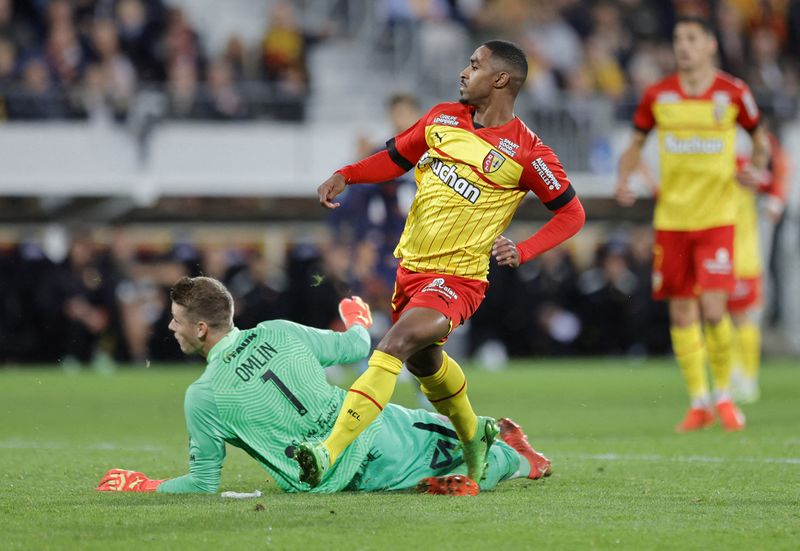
x,y
688,263
746,294
455,297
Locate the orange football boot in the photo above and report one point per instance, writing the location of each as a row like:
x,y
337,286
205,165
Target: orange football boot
x,y
450,485
730,416
511,433
696,419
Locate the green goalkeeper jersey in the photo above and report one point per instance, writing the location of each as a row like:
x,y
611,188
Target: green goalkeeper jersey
x,y
264,390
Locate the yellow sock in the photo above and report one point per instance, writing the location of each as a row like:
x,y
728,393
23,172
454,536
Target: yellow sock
x,y
447,391
719,341
687,343
365,400
749,348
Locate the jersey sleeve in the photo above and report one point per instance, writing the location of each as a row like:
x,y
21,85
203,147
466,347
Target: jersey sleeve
x,y
206,444
544,176
330,347
643,119
749,115
406,148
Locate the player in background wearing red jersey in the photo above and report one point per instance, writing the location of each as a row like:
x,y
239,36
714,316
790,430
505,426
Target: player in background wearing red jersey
x,y
696,112
745,303
475,162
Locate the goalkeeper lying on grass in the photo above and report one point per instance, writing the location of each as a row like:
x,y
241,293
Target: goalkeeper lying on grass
x,y
264,391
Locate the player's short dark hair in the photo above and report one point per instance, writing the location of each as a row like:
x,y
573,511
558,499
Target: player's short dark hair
x,y
513,58
205,299
702,22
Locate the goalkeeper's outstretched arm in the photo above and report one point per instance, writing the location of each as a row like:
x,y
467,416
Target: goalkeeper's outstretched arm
x,y
336,347
206,453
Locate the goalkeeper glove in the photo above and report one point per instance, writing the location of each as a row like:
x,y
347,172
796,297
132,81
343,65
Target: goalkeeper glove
x,y
355,311
120,480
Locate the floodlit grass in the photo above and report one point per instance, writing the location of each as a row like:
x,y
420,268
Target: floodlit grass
x,y
622,478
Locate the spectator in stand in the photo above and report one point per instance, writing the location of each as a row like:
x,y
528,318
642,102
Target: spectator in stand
x,y
38,98
607,308
8,62
254,299
113,79
140,28
557,42
14,27
181,43
223,96
78,300
732,39
766,73
183,91
283,56
64,54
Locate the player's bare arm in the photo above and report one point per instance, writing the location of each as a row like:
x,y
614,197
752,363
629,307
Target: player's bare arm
x,y
505,252
330,189
628,163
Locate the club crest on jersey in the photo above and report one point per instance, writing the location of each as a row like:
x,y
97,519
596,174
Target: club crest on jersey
x,y
721,101
492,162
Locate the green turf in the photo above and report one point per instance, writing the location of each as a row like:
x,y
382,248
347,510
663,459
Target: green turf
x,y
622,478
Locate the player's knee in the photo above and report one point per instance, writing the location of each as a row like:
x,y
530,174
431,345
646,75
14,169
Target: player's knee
x,y
402,344
713,318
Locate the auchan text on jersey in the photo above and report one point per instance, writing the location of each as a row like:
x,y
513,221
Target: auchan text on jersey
x,y
448,175
693,145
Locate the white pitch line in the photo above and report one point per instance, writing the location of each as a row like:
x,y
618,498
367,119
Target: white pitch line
x,y
683,458
23,445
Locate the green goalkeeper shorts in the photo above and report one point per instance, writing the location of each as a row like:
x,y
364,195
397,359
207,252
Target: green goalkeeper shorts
x,y
416,444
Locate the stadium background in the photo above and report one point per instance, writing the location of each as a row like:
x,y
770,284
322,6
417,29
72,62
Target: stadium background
x,y
145,139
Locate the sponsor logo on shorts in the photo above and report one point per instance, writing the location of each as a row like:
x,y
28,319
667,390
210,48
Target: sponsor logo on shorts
x,y
693,146
742,290
720,264
492,161
438,286
448,120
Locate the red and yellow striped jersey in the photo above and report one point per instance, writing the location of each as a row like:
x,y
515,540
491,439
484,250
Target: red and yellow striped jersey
x,y
697,149
470,181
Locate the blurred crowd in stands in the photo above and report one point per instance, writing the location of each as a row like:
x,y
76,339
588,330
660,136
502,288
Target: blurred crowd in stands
x,y
78,58
83,58
107,299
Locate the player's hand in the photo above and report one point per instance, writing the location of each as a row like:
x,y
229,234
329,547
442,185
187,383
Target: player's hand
x,y
623,193
121,480
355,311
505,252
752,177
774,207
329,189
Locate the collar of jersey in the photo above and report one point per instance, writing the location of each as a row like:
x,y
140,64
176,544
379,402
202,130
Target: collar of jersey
x,y
223,343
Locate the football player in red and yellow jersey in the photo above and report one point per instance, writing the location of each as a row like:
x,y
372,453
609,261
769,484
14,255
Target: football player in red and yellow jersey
x,y
744,304
474,161
696,112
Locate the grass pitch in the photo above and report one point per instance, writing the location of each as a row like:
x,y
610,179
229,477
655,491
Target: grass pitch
x,y
622,478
